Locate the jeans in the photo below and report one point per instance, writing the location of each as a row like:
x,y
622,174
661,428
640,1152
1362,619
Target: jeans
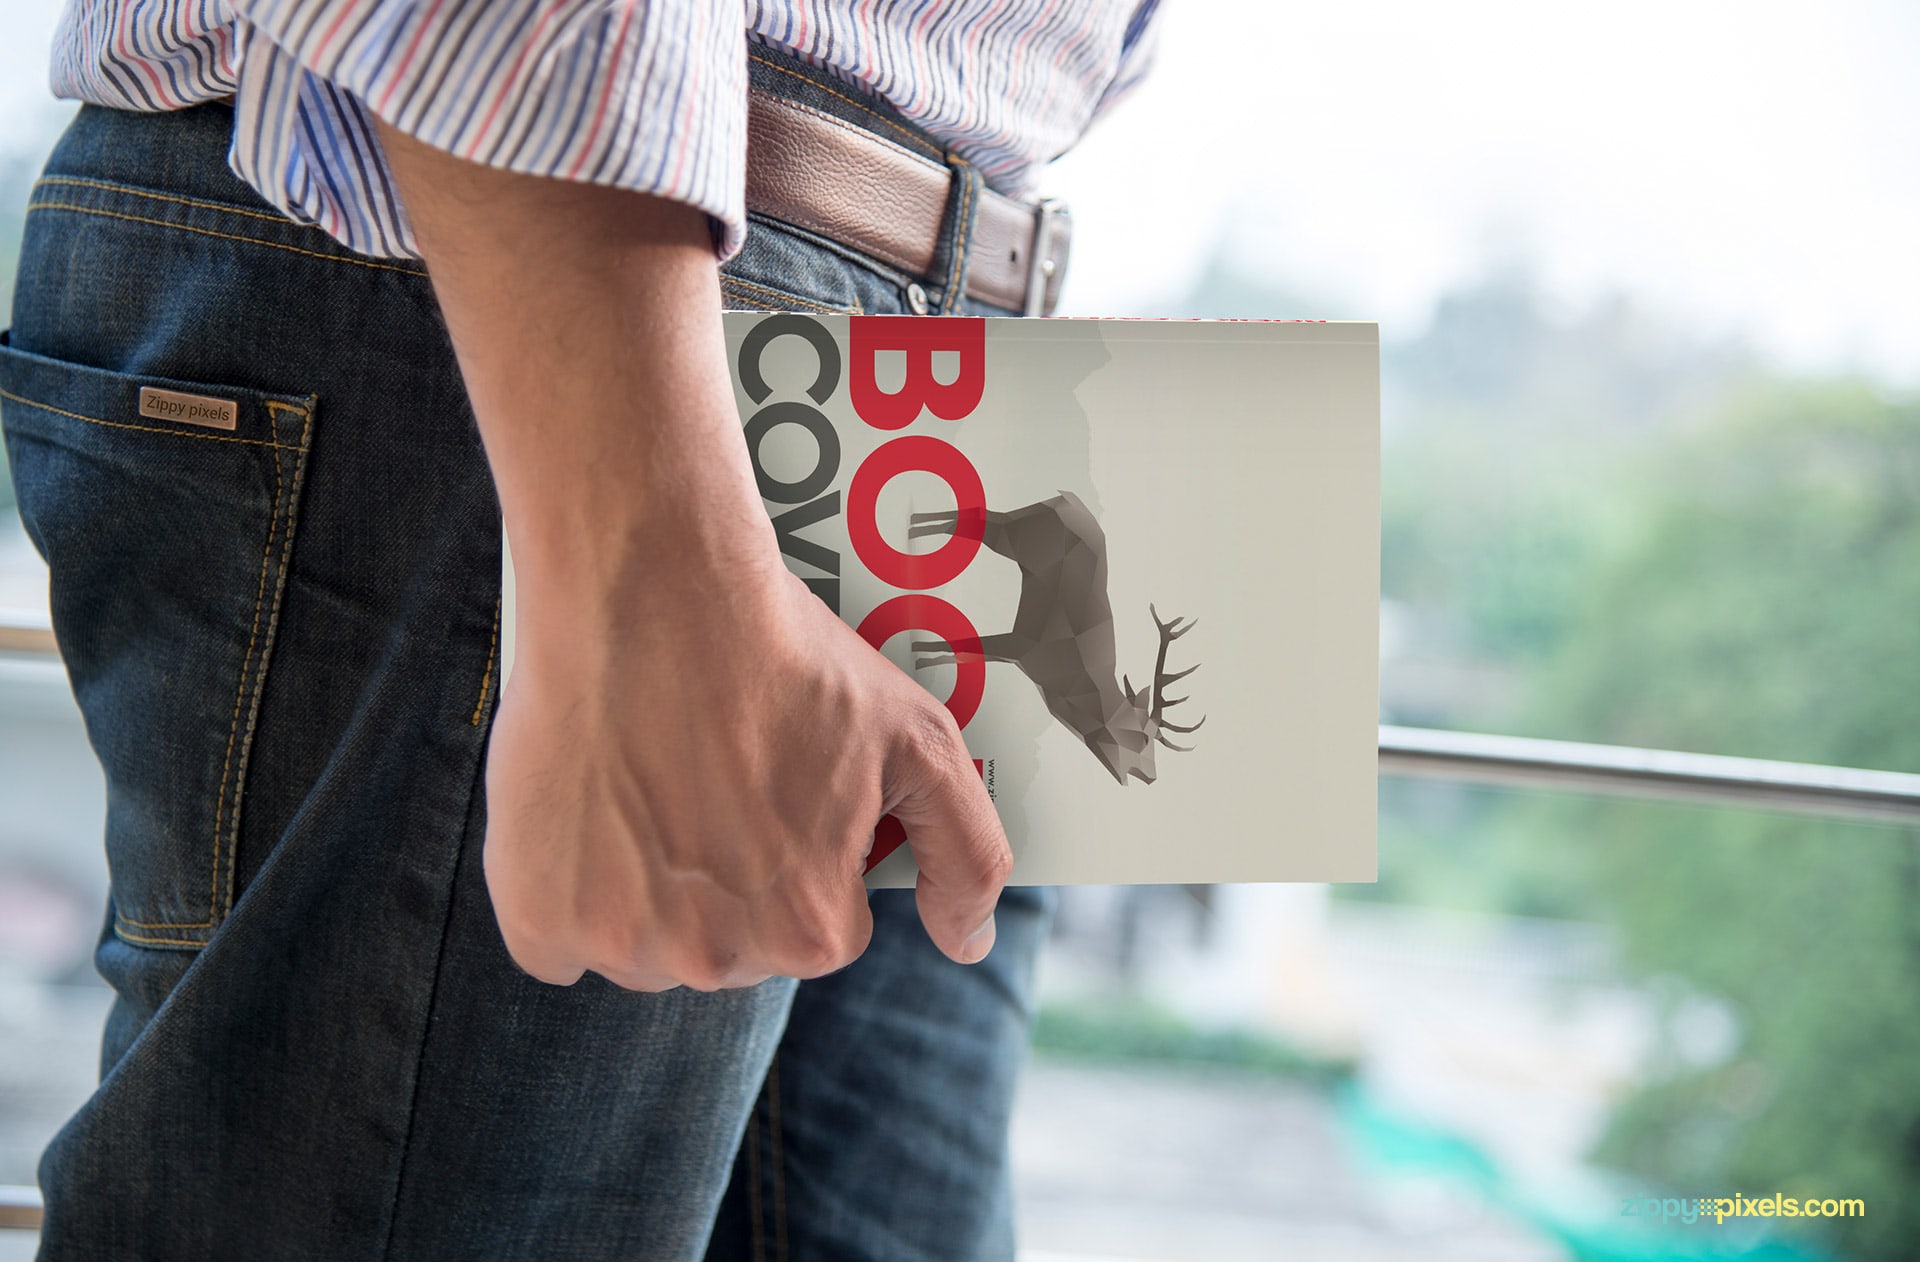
x,y
283,636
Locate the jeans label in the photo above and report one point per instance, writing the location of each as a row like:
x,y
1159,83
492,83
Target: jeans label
x,y
194,409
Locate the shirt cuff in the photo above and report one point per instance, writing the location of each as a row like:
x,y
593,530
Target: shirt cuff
x,y
645,95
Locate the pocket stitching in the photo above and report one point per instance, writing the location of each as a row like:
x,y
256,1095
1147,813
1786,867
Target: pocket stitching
x,y
825,308
954,289
145,429
749,304
226,768
493,654
130,190
274,408
229,236
229,846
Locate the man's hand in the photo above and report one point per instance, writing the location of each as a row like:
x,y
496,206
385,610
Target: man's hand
x,y
689,761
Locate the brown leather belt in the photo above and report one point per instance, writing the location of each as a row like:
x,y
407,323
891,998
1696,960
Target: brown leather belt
x,y
815,171
810,169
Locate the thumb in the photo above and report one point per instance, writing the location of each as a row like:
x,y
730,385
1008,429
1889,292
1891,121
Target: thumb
x,y
956,839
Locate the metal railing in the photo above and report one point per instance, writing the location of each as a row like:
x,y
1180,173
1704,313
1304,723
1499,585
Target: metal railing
x,y
1565,766
1652,774
1559,766
19,1208
22,631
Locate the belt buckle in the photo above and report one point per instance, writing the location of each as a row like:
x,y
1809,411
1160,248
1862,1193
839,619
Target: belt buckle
x,y
1041,265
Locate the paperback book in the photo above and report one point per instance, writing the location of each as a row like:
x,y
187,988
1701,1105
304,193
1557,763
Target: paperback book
x,y
1137,560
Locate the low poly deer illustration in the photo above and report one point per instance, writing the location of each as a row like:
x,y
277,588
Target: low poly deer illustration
x,y
1062,636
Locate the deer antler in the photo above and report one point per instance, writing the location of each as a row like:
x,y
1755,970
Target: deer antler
x,y
1169,632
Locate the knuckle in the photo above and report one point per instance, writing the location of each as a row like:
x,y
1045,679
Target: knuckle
x,y
706,968
588,944
930,732
814,963
542,965
527,948
531,967
820,954
856,941
998,866
512,908
635,979
987,863
636,959
519,934
992,867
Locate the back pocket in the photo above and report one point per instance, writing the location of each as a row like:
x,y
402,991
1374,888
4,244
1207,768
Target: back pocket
x,y
165,510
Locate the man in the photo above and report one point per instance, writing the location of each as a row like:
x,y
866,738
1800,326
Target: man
x,y
260,444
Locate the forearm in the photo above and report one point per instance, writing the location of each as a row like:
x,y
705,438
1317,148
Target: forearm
x,y
587,325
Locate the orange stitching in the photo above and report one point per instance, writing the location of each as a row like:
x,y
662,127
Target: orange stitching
x,y
145,429
246,663
162,924
864,109
486,680
748,304
152,941
825,308
274,407
967,213
213,894
162,197
229,236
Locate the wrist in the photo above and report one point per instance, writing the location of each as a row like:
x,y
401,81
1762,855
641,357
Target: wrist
x,y
598,574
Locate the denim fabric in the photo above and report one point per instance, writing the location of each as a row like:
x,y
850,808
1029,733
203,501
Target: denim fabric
x,y
283,637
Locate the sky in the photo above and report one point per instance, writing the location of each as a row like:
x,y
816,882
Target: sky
x,y
1752,168
27,108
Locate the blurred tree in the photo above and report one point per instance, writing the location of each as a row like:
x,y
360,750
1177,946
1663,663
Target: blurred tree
x,y
1768,604
1512,428
1504,419
1599,526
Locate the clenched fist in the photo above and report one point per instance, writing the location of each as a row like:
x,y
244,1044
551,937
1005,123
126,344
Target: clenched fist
x,y
688,764
692,802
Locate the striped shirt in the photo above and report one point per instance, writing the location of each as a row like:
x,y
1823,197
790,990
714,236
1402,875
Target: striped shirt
x,y
648,95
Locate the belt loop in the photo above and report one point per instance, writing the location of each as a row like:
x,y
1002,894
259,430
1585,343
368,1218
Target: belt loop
x,y
956,233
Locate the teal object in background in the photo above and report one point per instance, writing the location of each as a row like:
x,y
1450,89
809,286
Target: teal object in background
x,y
1395,1146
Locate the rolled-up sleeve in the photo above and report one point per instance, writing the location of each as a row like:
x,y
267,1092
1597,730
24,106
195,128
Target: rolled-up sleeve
x,y
646,95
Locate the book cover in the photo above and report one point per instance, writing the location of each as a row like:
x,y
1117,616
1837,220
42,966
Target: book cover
x,y
1137,560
